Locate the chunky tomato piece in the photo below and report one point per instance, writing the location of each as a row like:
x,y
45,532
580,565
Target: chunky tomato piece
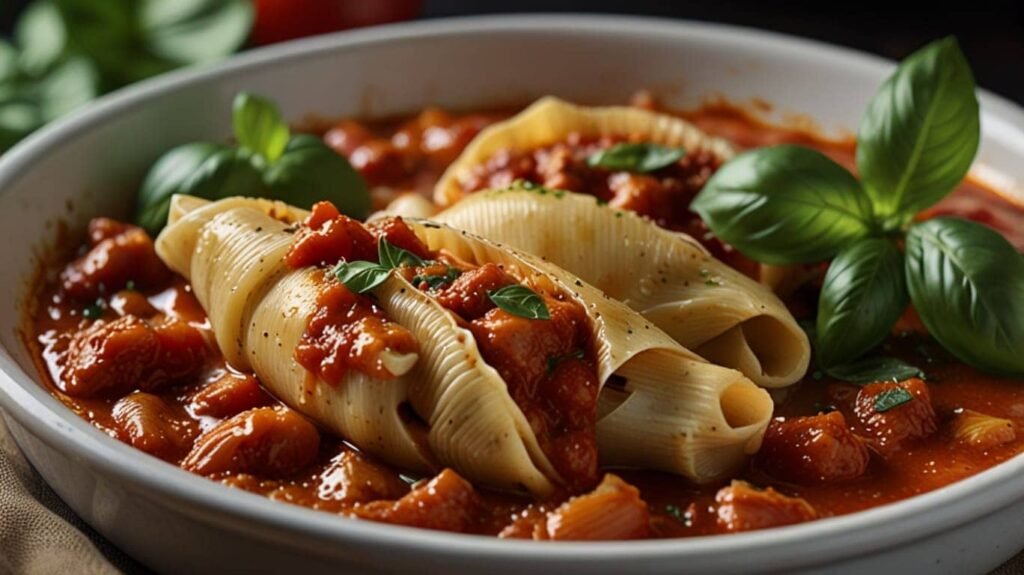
x,y
743,507
544,364
352,478
159,428
399,234
349,331
813,449
229,395
910,420
446,503
327,237
116,357
467,296
982,431
120,253
131,302
612,511
266,442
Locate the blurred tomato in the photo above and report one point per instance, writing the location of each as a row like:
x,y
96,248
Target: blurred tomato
x,y
280,20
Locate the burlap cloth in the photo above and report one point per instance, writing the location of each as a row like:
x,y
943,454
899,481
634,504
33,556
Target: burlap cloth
x,y
40,534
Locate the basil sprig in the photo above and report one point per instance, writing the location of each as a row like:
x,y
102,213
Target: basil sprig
x,y
269,162
917,139
362,276
521,301
640,157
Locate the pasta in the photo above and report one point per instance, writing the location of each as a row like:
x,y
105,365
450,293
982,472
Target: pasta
x,y
551,120
669,278
693,418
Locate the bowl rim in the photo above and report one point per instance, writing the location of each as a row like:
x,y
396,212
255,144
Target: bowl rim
x,y
45,417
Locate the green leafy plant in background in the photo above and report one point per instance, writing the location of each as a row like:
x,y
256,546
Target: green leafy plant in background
x,y
916,142
67,52
268,162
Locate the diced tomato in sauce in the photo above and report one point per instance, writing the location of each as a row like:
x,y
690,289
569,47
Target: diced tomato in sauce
x,y
118,254
328,237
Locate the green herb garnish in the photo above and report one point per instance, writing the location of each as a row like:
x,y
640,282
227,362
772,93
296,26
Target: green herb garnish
x,y
891,399
392,256
557,359
967,284
435,282
867,293
67,52
638,157
680,515
360,276
875,369
95,311
268,162
521,301
917,139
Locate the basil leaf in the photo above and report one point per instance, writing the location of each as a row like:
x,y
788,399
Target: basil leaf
x,y
41,34
166,178
310,171
639,157
195,31
863,295
359,276
920,132
8,62
784,205
875,369
259,126
67,87
521,301
228,172
392,256
967,284
891,399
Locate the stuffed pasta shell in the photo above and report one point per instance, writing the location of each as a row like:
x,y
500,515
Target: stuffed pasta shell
x,y
431,347
668,277
638,160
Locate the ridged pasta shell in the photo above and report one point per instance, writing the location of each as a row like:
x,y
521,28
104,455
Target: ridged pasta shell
x,y
668,277
550,120
232,251
675,412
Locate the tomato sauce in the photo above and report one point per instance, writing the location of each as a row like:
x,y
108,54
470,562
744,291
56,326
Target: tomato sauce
x,y
956,423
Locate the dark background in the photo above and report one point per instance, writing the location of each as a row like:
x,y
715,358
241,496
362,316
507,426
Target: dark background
x,y
991,32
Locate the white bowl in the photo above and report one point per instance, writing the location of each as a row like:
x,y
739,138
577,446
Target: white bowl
x,y
173,521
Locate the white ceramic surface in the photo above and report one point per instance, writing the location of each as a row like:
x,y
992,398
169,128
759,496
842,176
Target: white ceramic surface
x,y
176,522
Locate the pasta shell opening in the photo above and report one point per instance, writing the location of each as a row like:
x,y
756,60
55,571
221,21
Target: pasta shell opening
x,y
763,347
743,406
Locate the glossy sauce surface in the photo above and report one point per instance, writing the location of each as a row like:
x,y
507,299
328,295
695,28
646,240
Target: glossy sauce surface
x,y
334,477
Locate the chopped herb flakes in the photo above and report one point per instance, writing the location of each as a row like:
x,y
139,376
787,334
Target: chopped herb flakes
x,y
95,311
681,515
891,399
